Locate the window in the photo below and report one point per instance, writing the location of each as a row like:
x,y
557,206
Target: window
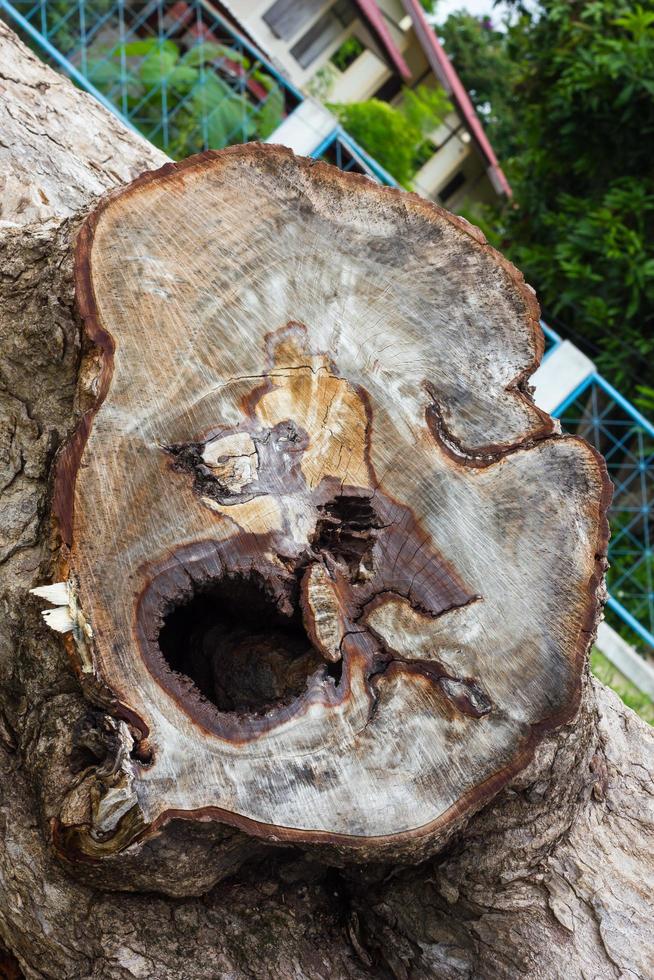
x,y
347,53
452,186
391,87
323,33
286,17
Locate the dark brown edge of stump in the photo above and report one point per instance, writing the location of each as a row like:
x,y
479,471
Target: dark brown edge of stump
x,y
68,461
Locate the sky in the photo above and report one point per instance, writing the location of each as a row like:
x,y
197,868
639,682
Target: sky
x,y
478,8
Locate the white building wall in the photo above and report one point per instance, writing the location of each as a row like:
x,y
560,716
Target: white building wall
x,y
250,13
361,79
441,167
559,375
305,129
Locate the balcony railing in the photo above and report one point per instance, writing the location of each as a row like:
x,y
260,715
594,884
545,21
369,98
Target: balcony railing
x,y
345,153
188,80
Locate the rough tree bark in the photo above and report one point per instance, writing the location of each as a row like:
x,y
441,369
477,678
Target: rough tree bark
x,y
521,848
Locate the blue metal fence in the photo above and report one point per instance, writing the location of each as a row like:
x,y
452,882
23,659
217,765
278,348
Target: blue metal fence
x,y
604,417
552,339
188,80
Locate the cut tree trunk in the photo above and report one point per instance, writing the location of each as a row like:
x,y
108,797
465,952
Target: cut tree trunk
x,y
320,581
309,576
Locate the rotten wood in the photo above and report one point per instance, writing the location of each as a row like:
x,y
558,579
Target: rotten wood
x,y
326,560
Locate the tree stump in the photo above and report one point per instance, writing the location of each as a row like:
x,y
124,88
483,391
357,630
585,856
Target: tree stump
x,y
322,555
325,573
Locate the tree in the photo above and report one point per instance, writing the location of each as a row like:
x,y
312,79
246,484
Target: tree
x,y
567,92
482,57
545,868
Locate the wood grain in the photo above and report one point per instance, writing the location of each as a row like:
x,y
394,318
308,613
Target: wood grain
x,y
307,404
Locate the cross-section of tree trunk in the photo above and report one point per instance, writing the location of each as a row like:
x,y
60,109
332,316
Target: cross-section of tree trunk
x,y
322,553
290,456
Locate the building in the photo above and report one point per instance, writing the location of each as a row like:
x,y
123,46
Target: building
x,y
340,51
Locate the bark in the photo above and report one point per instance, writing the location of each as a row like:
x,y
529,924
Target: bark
x,y
551,878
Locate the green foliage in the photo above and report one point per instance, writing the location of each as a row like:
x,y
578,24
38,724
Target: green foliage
x,y
593,265
348,52
152,80
567,94
424,108
384,133
611,676
62,22
322,83
481,55
644,400
396,137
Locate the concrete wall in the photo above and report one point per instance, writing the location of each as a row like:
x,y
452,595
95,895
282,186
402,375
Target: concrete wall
x,y
449,158
305,129
250,13
361,79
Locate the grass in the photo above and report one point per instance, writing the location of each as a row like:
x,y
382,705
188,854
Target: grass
x,y
632,697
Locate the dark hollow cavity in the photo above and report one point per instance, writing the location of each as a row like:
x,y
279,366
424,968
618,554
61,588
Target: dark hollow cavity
x,y
241,653
346,529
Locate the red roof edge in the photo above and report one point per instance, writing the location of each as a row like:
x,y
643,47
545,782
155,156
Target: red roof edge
x,y
452,84
373,15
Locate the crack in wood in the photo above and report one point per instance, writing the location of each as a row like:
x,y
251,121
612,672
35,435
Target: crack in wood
x,y
381,654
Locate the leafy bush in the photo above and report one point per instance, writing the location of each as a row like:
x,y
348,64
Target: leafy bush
x,y
395,137
62,24
424,107
593,264
482,56
384,133
201,110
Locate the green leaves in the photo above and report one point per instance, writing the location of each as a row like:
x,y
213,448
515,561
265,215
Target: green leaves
x,y
186,101
425,108
395,137
383,132
645,399
158,65
348,52
271,111
570,91
227,117
151,45
637,22
207,52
